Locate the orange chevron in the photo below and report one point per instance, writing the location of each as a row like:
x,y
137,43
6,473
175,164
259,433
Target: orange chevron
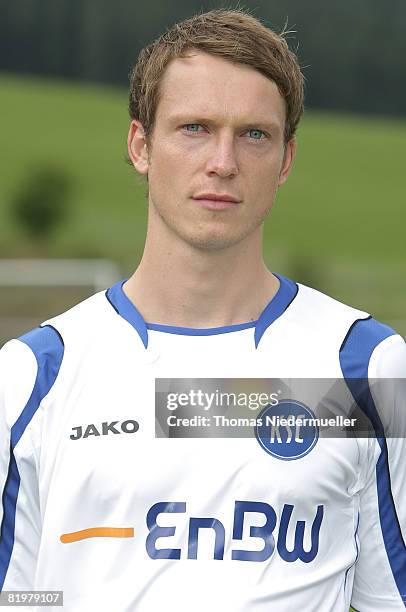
x,y
97,532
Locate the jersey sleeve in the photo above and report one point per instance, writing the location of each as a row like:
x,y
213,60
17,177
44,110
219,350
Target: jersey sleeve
x,y
28,370
380,570
19,535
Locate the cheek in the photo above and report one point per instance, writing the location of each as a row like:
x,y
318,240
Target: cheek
x,y
262,180
261,188
162,170
167,163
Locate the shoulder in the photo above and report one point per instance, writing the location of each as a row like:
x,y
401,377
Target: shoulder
x,y
29,367
320,321
46,342
323,308
35,358
84,317
368,346
372,349
373,363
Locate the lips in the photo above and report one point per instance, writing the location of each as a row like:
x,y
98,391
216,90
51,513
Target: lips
x,y
216,201
217,197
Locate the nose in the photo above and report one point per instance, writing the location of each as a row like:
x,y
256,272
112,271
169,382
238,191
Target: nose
x,y
222,160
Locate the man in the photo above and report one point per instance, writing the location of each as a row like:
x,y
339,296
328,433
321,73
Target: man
x,y
100,499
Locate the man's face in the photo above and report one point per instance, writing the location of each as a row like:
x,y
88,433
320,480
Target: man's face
x,y
218,132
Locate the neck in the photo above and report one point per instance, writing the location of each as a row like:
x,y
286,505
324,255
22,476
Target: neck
x,y
178,284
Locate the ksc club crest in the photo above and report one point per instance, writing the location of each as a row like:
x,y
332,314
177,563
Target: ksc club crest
x,y
288,430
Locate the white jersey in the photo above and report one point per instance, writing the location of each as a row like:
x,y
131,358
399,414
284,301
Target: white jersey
x,y
97,501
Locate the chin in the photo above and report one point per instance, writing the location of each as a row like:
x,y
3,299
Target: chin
x,y
212,241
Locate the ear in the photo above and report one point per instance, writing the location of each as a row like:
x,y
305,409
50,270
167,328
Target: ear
x,y
137,147
289,156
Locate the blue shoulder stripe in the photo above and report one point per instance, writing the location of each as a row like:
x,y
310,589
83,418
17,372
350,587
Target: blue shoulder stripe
x,y
48,348
355,354
360,342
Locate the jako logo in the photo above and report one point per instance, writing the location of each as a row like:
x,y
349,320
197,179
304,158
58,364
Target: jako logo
x,y
104,429
288,430
264,532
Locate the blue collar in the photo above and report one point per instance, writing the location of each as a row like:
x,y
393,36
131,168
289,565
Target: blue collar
x,y
275,308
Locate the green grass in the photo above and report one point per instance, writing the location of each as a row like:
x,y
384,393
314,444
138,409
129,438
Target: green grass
x,y
338,224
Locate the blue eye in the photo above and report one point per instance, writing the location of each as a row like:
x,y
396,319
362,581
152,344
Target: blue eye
x,y
256,134
192,127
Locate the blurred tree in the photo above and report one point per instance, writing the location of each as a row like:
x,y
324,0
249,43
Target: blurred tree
x,y
41,204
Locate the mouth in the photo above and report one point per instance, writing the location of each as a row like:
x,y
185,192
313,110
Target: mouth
x,y
214,201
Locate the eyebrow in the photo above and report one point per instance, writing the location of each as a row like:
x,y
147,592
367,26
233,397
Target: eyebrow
x,y
197,118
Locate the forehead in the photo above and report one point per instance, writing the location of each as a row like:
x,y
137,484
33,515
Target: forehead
x,y
203,83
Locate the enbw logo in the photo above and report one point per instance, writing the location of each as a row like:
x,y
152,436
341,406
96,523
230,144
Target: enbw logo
x,y
288,430
273,537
